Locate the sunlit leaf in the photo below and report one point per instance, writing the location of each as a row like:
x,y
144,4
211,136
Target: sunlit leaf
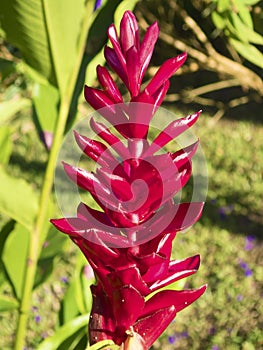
x,y
178,285
7,303
11,107
69,306
4,233
66,331
244,32
223,5
15,257
218,20
244,13
45,102
91,73
104,344
46,33
53,244
5,144
251,2
249,52
125,5
17,199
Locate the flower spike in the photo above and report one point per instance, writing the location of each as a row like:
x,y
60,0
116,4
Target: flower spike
x,y
128,239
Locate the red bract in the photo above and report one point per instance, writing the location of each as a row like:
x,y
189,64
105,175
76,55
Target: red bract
x,y
128,242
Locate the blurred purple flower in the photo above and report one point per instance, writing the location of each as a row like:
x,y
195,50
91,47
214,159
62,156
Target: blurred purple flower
x,y
215,347
248,272
64,279
239,297
37,318
243,265
184,334
171,339
249,242
212,331
98,4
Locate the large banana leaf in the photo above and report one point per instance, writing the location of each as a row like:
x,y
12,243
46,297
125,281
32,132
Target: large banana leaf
x,y
46,32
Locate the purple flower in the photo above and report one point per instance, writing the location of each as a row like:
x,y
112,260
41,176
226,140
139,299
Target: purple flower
x,y
98,4
184,334
239,297
249,242
243,265
171,339
37,318
248,272
215,347
64,279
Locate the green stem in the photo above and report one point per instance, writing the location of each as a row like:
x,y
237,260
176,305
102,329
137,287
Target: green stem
x,y
36,234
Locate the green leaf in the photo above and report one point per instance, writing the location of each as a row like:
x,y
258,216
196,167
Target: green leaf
x,y
245,33
249,52
91,72
6,68
223,5
5,145
78,297
104,344
7,303
15,257
17,199
69,307
11,107
52,248
77,341
4,233
251,2
97,36
178,285
125,5
25,26
44,270
45,102
244,13
63,333
54,243
219,21
64,19
47,33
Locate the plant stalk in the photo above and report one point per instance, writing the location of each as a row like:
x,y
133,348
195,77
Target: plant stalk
x,y
36,234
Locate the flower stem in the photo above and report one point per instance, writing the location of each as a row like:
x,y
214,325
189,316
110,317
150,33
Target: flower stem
x,y
36,237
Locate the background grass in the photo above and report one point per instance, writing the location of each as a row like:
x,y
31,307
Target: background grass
x,y
228,237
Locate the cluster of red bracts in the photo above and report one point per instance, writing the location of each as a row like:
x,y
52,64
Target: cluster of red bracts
x,y
129,242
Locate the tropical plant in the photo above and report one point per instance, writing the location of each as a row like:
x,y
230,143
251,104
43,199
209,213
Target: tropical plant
x,y
45,43
128,241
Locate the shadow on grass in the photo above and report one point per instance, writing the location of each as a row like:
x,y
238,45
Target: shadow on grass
x,y
250,224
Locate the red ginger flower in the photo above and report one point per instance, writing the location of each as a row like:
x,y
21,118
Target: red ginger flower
x,y
129,242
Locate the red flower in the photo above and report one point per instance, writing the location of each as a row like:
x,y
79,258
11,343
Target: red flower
x,y
129,242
